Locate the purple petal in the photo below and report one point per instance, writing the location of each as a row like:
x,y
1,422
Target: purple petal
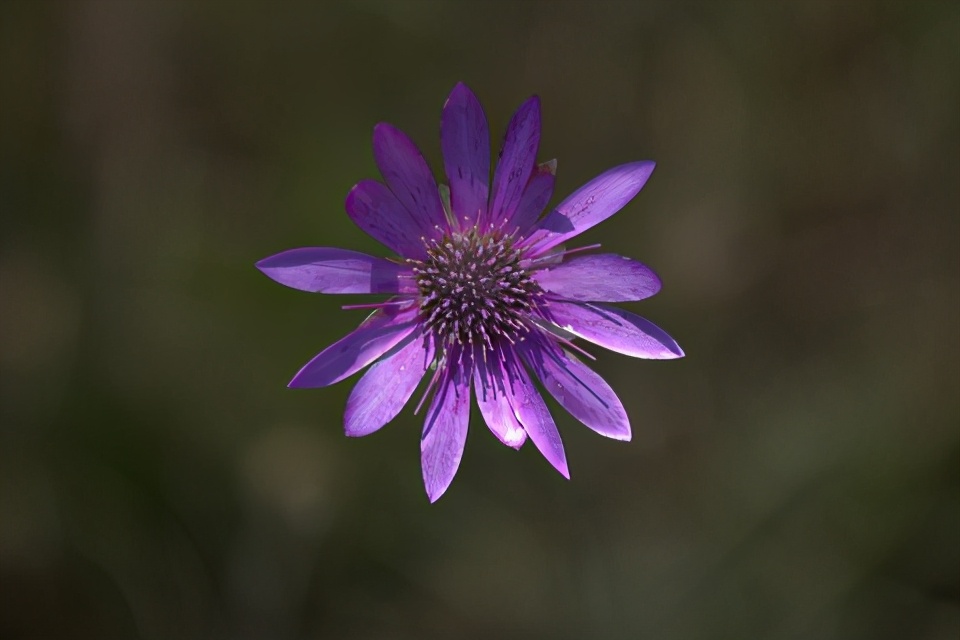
x,y
408,176
591,204
517,158
387,386
535,197
532,412
328,270
578,389
615,329
374,337
444,434
374,208
605,277
465,140
495,405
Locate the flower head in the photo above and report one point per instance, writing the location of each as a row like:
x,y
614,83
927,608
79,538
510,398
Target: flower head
x,y
483,297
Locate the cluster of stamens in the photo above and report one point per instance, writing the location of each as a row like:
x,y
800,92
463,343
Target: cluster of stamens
x,y
473,291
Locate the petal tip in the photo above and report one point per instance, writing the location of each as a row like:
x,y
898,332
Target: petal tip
x,y
642,169
460,88
533,104
672,350
268,264
435,493
296,382
302,379
461,95
299,381
382,129
349,201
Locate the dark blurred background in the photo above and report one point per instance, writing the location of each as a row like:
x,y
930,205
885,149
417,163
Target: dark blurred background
x,y
797,475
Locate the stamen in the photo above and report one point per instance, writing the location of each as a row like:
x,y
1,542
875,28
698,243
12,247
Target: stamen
x,y
374,305
559,254
474,290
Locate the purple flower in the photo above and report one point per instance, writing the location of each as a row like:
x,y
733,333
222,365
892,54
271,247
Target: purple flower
x,y
483,296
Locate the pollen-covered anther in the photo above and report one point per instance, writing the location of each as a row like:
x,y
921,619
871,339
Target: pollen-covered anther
x,y
473,290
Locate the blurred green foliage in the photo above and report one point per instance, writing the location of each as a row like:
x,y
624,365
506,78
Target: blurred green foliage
x,y
796,476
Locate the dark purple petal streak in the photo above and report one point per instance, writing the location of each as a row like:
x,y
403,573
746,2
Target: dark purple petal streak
x,y
465,140
377,335
615,329
374,208
406,172
532,413
579,390
328,270
534,199
590,205
517,159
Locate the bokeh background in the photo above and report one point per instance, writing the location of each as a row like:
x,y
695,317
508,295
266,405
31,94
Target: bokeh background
x,y
797,475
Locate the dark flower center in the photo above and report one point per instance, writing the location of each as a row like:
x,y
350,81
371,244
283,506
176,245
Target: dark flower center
x,y
473,290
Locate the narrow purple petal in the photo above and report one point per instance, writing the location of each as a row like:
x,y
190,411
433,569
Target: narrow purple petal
x,y
445,433
465,140
517,158
387,386
374,208
532,412
605,277
374,337
329,270
495,405
615,329
578,389
591,204
535,197
408,176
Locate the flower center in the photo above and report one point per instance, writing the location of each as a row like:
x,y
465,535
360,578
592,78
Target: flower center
x,y
473,290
